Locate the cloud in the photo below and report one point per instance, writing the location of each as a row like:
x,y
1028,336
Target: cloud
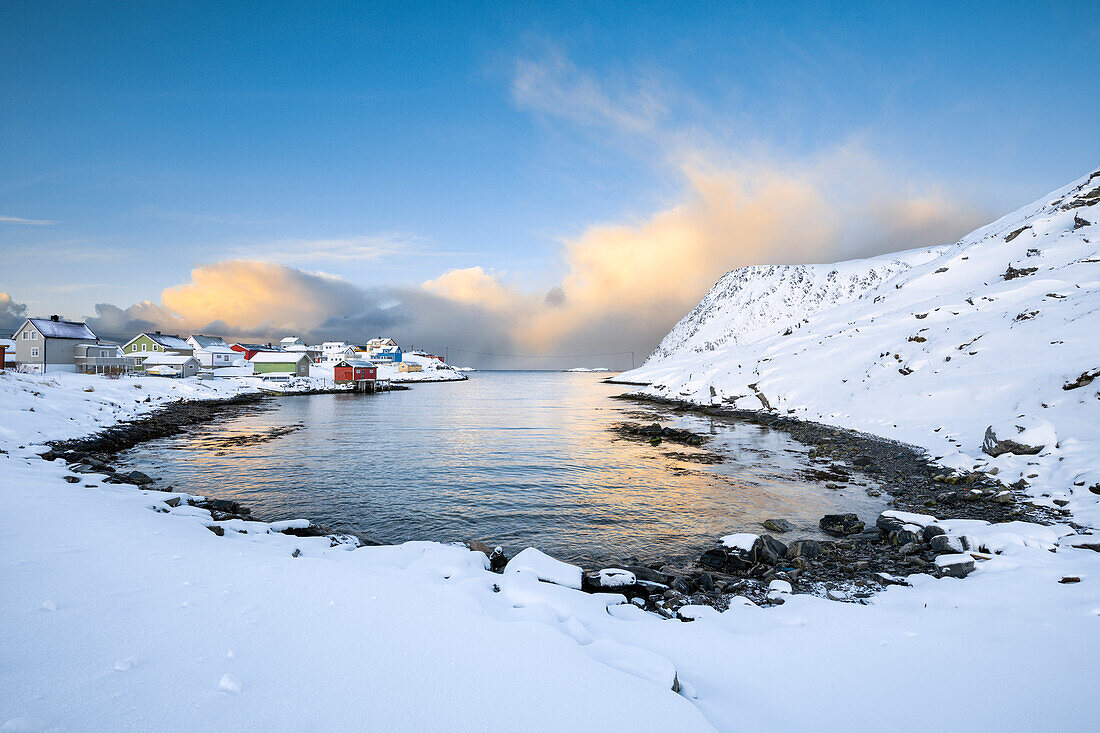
x,y
20,220
555,86
473,286
12,315
257,300
626,283
621,283
337,249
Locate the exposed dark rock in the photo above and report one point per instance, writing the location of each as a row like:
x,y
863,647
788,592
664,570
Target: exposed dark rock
x,y
958,569
138,478
996,445
73,479
806,549
841,524
778,525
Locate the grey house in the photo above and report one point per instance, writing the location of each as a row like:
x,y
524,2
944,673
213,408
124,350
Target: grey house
x,y
49,344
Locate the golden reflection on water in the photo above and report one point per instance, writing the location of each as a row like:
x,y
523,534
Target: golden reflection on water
x,y
512,458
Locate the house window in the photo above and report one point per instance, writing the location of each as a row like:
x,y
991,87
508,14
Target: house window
x,y
26,335
143,347
34,352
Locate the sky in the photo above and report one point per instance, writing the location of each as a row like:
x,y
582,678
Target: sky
x,y
545,181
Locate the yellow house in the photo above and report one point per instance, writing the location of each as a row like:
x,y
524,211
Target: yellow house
x,y
406,366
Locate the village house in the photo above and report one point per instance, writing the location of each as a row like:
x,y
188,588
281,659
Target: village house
x,y
104,358
156,343
170,365
384,350
250,350
291,341
354,370
212,351
7,351
409,366
49,344
281,362
336,350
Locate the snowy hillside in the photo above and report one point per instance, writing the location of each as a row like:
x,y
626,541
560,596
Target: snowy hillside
x,y
927,346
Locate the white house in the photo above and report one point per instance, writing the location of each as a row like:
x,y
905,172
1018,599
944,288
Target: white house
x,y
377,344
334,351
49,344
291,341
171,365
212,351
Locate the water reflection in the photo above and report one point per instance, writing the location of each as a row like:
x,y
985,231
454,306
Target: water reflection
x,y
511,458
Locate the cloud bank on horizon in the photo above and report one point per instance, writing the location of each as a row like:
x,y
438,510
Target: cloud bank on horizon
x,y
621,284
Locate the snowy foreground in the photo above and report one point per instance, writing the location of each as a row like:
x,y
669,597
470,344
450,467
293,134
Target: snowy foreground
x,y
122,612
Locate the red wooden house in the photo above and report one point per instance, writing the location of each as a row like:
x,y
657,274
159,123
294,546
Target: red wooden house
x,y
250,350
354,370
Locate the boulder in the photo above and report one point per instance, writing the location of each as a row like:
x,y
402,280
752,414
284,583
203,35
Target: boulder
x,y
841,524
476,546
771,549
931,531
649,575
615,578
807,549
1024,436
138,478
497,559
955,566
945,544
778,525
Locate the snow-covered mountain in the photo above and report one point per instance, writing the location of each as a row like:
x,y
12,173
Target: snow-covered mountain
x,y
930,346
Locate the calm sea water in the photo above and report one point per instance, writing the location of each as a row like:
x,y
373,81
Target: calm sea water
x,y
512,458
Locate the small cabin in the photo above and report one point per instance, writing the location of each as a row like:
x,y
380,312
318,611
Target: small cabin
x,y
354,370
410,366
288,362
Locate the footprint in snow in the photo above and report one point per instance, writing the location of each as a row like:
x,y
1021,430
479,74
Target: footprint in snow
x,y
125,665
230,684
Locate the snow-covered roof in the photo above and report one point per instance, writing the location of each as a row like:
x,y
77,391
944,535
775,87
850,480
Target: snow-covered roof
x,y
291,341
358,363
172,359
279,357
210,343
168,341
260,347
52,329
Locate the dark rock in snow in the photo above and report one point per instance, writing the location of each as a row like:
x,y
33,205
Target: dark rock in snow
x,y
957,569
73,479
931,531
995,445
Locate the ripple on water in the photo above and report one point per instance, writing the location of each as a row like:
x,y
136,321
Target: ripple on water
x,y
512,458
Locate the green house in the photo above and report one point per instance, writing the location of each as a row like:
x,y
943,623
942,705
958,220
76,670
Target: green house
x,y
156,343
281,362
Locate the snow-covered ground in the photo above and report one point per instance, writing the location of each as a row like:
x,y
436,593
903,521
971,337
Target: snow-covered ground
x,y
929,346
434,370
122,612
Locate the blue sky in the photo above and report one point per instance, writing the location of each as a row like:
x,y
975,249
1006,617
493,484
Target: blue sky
x,y
388,144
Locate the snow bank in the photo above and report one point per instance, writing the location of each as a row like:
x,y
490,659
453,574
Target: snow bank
x,y
544,567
